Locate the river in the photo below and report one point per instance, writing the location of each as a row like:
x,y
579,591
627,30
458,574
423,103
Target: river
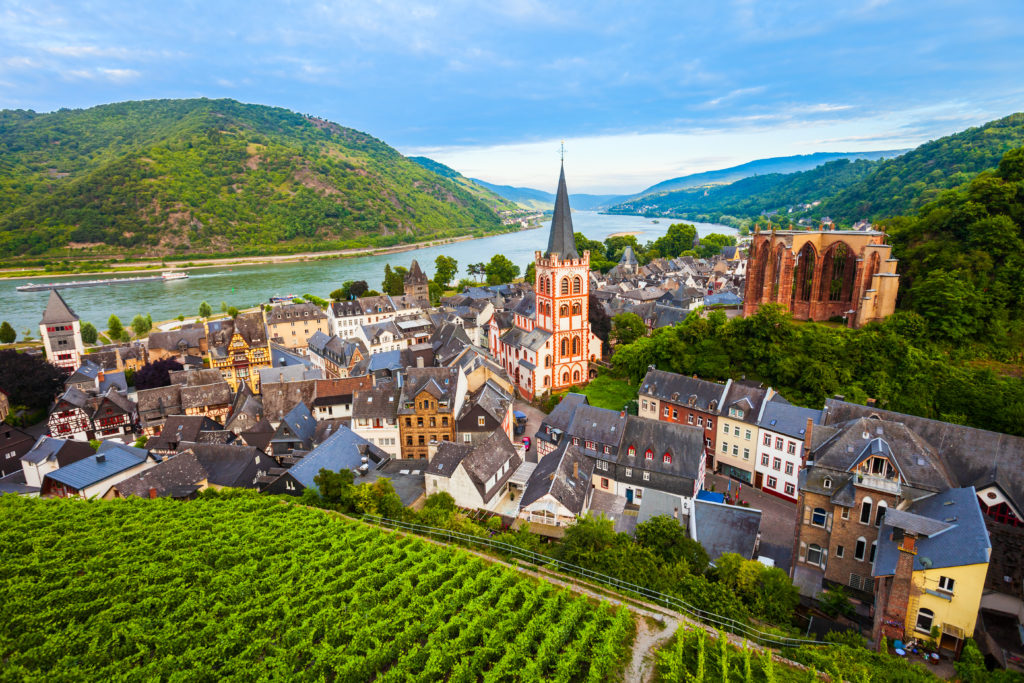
x,y
244,286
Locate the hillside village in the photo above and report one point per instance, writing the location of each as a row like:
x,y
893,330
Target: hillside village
x,y
920,521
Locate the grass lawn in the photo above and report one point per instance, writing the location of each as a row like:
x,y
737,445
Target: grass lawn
x,y
606,392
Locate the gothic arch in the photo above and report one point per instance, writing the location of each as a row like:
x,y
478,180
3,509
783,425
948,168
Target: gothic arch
x,y
565,377
577,285
577,309
838,270
776,273
760,269
803,273
547,361
575,346
565,285
563,310
575,375
565,347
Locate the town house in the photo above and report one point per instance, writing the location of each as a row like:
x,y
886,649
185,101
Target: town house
x,y
238,347
431,399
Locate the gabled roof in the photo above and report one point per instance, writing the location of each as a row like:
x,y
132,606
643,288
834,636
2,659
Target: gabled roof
x,y
300,423
628,257
188,337
111,458
280,397
178,474
57,311
554,477
562,240
722,528
950,528
342,450
685,445
378,403
286,313
415,276
669,386
481,462
74,396
561,416
787,419
62,451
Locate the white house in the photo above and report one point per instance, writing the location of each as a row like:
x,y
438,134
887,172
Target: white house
x,y
780,447
93,476
375,418
475,476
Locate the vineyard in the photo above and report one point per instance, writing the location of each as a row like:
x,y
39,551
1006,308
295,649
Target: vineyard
x,y
242,587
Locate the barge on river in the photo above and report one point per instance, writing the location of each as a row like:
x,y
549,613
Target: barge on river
x,y
166,277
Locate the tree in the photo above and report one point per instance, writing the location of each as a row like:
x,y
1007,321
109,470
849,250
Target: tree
x,y
7,333
713,243
232,311
627,328
435,292
29,380
394,282
89,333
335,488
223,306
834,602
445,268
141,441
530,274
156,374
588,536
115,328
341,293
971,667
500,270
678,239
141,325
668,539
950,304
204,310
358,288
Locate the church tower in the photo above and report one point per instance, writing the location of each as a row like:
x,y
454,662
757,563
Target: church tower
x,y
417,286
562,290
62,334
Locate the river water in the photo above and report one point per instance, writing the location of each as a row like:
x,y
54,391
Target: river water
x,y
244,286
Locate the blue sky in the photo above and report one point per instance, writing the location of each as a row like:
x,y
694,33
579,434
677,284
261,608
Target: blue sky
x,y
640,91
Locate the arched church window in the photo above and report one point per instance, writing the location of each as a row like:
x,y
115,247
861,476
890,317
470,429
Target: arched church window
x,y
565,377
575,346
575,375
565,285
547,361
565,347
563,311
577,309
577,285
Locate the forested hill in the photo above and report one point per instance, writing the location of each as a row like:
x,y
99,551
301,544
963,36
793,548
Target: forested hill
x,y
492,199
161,177
848,191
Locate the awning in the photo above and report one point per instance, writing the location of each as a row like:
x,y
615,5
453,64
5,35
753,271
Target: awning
x,y
522,475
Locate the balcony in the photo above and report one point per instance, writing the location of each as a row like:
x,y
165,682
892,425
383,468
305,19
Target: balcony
x,y
870,481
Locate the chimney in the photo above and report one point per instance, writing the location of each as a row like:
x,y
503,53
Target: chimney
x,y
894,616
807,436
152,492
575,469
100,457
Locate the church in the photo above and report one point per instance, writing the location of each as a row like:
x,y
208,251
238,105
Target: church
x,y
549,346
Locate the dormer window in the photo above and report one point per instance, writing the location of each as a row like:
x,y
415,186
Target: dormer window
x,y
827,482
736,412
631,451
648,454
667,458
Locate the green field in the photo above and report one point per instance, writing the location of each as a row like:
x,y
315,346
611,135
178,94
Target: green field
x,y
605,392
244,587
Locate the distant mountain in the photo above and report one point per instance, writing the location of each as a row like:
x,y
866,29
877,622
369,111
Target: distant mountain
x,y
489,197
791,164
166,177
847,191
545,201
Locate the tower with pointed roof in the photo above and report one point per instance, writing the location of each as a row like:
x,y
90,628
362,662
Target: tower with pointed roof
x,y
417,286
61,332
562,290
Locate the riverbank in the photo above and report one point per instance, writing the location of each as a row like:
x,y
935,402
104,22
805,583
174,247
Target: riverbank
x,y
147,266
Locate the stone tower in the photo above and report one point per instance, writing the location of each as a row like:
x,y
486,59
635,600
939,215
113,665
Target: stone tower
x,y
417,286
62,334
562,289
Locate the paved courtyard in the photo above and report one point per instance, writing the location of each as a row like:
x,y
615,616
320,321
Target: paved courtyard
x,y
534,418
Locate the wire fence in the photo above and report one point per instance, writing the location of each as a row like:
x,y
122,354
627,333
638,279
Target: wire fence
x,y
733,626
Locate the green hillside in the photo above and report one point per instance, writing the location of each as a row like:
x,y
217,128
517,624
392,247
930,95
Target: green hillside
x,y
241,587
848,191
492,199
165,177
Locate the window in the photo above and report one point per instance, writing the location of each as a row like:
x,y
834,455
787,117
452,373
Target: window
x,y
725,447
607,450
644,404
565,285
575,441
666,411
880,513
845,514
746,454
735,449
747,435
827,482
767,440
590,445
790,490
667,458
689,419
675,414
700,421
629,472
647,476
791,448
814,554
433,422
467,437
773,483
818,517
631,451
946,584
858,551
711,424
577,285
789,468
871,555
577,309
737,413
764,459
563,311
648,454
604,483
725,428
777,464
925,617
480,421
865,511
840,550
778,443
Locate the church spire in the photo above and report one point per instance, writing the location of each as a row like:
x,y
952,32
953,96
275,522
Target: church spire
x,y
562,241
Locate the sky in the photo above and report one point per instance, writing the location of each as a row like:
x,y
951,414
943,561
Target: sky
x,y
639,91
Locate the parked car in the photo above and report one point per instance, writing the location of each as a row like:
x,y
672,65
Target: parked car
x,y
527,443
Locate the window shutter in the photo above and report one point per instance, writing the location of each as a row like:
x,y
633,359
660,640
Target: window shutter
x,y
824,558
803,551
807,514
828,523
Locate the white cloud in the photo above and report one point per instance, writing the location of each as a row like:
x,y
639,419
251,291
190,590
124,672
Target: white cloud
x,y
735,94
102,74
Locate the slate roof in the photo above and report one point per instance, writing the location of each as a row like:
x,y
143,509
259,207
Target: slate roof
x,y
554,476
746,397
195,378
246,410
342,450
156,404
113,380
788,419
290,373
57,310
684,443
562,240
628,257
415,276
324,428
526,307
63,451
535,339
259,435
600,425
481,461
206,395
561,416
724,528
657,503
377,403
669,386
178,428
250,326
172,475
492,398
74,396
299,421
111,458
440,383
956,536
229,464
188,337
972,456
280,397
287,313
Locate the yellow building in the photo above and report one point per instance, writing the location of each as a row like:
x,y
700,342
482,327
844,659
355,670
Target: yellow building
x,y
930,570
239,347
736,436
